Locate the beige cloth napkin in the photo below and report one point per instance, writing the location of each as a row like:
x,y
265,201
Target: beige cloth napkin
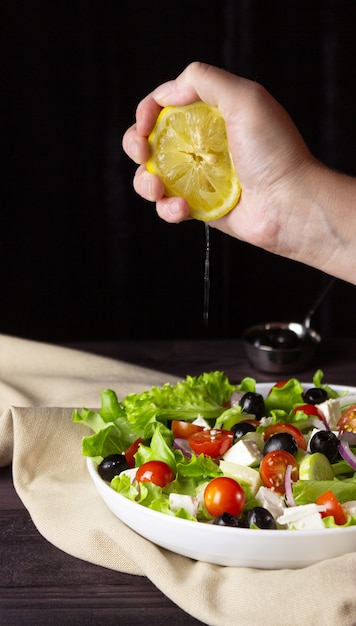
x,y
40,384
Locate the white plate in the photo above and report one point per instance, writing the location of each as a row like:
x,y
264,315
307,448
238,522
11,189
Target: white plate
x,y
242,547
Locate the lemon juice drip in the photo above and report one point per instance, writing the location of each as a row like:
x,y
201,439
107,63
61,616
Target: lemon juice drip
x,y
206,277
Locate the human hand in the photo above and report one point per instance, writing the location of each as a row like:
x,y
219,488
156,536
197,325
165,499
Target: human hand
x,y
265,145
284,206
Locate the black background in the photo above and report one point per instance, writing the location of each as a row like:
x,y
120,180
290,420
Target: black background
x,y
81,256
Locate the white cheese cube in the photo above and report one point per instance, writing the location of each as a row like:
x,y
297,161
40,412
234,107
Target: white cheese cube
x,y
311,522
271,501
180,501
331,411
306,516
243,452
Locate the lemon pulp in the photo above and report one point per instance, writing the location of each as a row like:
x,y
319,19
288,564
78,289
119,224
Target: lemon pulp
x,y
189,151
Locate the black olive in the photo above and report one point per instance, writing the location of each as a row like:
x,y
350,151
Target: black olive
x,y
111,466
326,442
242,428
226,519
280,338
281,441
315,395
253,403
260,517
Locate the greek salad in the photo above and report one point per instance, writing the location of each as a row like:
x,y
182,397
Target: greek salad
x,y
211,451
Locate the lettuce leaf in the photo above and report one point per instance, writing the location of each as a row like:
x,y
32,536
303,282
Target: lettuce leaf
x,y
112,431
286,397
317,381
118,424
204,395
329,522
307,491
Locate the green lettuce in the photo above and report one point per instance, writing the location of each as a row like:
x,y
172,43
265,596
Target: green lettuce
x,y
286,397
317,381
307,491
117,424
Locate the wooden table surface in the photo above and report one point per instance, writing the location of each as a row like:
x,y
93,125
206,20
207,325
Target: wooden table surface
x,y
40,585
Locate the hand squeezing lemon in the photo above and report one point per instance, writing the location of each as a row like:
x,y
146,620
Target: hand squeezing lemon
x,y
189,151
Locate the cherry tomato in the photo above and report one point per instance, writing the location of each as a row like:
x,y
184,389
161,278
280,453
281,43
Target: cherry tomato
x,y
311,410
131,451
224,495
183,430
333,507
273,468
214,442
156,472
347,420
286,428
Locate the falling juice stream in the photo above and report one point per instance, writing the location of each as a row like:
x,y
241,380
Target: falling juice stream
x,y
206,277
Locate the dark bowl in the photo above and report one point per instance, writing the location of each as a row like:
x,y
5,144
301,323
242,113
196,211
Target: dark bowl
x,y
280,347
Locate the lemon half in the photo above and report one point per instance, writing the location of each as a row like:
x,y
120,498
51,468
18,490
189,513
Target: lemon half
x,y
190,153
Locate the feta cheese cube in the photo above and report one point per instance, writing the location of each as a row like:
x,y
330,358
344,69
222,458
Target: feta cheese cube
x,y
271,501
303,517
180,501
331,411
243,452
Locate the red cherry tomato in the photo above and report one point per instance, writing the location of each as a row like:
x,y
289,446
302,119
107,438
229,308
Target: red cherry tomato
x,y
273,468
310,410
224,495
333,507
183,430
212,442
286,428
131,451
347,420
156,472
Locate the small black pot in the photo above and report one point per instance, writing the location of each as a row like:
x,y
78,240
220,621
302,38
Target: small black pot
x,y
280,347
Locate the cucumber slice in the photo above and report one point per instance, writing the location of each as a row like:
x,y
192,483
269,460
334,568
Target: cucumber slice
x,y
243,474
315,467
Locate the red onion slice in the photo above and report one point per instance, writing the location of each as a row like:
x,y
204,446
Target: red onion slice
x,y
235,398
182,444
349,436
346,452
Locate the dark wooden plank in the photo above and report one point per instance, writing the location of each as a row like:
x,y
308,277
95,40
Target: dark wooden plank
x,y
40,584
9,499
336,357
